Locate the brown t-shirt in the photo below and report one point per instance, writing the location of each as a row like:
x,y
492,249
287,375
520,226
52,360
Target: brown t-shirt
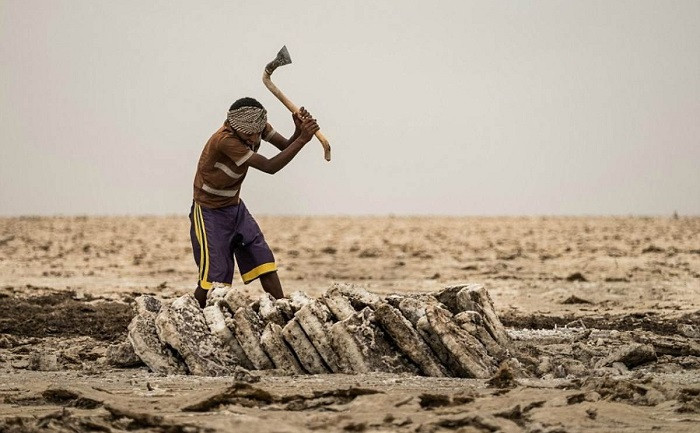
x,y
222,167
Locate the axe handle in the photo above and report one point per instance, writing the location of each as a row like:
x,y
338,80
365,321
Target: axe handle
x,y
293,108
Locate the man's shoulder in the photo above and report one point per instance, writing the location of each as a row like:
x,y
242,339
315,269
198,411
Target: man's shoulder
x,y
225,137
223,132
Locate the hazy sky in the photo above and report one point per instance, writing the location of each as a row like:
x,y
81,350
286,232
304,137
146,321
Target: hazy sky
x,y
449,107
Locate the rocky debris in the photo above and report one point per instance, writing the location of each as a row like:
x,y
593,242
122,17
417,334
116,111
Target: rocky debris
x,y
689,331
245,395
576,276
454,332
8,341
670,345
182,326
143,336
573,299
627,390
123,355
43,361
631,356
503,379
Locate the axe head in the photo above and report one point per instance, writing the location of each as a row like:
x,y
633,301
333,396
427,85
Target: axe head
x,y
282,59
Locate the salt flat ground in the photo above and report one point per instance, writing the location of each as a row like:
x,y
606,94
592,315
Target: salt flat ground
x,y
66,284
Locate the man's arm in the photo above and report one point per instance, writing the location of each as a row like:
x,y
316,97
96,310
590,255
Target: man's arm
x,y
307,128
282,143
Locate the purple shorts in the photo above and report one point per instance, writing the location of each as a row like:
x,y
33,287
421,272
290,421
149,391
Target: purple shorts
x,y
219,235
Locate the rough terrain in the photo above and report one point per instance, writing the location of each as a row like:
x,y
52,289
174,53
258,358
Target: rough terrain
x,y
603,314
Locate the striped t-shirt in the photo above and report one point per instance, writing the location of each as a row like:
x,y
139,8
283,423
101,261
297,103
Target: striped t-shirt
x,y
222,167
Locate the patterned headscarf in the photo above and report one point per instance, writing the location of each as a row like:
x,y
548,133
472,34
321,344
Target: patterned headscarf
x,y
248,120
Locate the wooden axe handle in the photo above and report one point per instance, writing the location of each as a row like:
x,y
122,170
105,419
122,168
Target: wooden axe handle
x,y
293,108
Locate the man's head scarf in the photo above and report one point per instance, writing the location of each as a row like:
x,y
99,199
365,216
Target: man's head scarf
x,y
248,120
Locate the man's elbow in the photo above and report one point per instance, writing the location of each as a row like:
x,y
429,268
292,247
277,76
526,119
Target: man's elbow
x,y
266,166
271,168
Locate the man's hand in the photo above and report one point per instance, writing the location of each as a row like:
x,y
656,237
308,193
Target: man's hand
x,y
305,124
306,127
298,116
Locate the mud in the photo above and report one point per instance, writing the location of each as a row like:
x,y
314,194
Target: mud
x,y
61,313
652,321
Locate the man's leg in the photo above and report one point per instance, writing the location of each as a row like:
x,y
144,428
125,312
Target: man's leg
x,y
272,285
199,294
211,232
254,257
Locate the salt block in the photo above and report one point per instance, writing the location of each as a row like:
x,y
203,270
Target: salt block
x,y
217,294
413,308
448,298
298,300
367,348
284,306
281,355
235,300
338,304
475,297
354,353
406,338
215,314
143,336
247,327
358,296
306,353
269,311
314,318
146,303
183,327
468,352
473,323
432,339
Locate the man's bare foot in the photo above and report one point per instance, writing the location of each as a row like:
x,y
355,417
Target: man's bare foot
x,y
201,296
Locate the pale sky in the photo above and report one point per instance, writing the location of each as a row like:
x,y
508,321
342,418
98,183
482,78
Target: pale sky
x,y
447,107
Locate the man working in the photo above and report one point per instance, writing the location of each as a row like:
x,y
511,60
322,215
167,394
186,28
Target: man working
x,y
221,226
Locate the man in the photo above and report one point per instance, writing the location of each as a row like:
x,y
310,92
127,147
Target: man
x,y
221,226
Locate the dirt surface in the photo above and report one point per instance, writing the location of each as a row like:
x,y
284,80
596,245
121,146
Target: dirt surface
x,y
576,293
62,314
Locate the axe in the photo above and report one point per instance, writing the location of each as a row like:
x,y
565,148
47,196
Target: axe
x,y
281,60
